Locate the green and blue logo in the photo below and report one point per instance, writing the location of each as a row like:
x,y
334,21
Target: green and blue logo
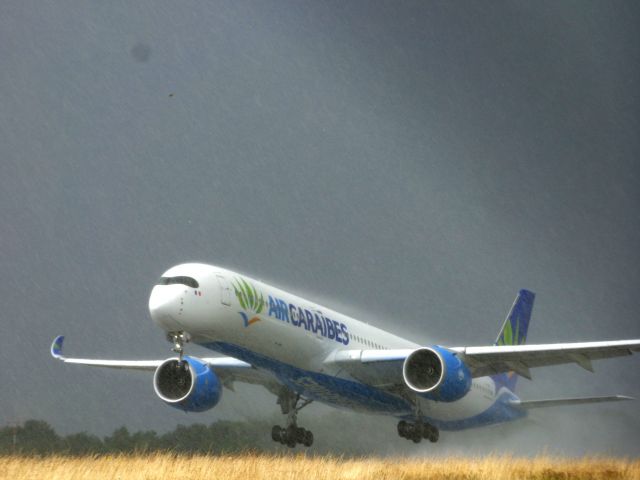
x,y
515,331
254,304
508,336
251,301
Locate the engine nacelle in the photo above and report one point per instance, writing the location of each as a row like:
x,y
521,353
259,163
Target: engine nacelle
x,y
189,385
437,374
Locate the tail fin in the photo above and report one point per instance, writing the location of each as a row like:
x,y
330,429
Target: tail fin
x,y
514,332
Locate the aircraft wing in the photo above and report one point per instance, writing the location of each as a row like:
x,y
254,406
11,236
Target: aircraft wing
x,y
558,402
228,369
384,367
492,360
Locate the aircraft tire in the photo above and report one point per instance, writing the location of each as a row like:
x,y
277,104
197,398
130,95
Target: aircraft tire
x,y
308,438
402,428
300,434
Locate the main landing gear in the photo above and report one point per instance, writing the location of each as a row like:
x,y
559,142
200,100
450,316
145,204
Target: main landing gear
x,y
417,431
291,435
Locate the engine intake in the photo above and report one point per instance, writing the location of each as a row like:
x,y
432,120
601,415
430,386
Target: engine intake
x,y
189,384
436,373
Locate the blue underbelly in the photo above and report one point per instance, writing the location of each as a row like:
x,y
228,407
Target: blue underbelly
x,y
353,395
323,388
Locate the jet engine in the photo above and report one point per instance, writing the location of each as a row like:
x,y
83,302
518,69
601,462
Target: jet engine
x,y
189,385
437,374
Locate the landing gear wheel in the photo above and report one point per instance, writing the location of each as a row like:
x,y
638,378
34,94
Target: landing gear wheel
x,y
417,431
403,428
308,439
291,435
299,435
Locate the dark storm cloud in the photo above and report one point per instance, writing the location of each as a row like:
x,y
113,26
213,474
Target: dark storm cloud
x,y
414,164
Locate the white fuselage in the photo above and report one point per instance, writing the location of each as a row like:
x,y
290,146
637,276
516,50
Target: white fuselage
x,y
293,338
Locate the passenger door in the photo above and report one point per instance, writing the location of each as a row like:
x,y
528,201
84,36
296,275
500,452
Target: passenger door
x,y
225,291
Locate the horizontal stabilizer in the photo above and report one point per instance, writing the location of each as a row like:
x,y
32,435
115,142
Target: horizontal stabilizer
x,y
568,401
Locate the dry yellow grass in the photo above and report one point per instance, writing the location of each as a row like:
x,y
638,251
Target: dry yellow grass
x,y
258,467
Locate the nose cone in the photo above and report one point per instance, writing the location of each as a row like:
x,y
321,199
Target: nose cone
x,y
165,306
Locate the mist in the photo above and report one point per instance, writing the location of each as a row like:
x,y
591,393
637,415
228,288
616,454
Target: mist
x,y
409,164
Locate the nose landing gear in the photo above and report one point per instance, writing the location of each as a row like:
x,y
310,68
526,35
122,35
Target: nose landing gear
x,y
291,435
178,339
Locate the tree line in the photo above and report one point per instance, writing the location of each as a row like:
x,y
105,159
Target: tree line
x,y
37,437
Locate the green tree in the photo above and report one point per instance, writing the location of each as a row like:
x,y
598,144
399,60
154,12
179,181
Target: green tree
x,y
146,441
37,437
6,438
82,444
119,442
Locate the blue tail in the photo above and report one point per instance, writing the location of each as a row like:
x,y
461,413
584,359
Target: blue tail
x,y
514,332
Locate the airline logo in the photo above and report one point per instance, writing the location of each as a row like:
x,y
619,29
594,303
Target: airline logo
x,y
250,300
508,337
511,335
253,304
312,321
56,349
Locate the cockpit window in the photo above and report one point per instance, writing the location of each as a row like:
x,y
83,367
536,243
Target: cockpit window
x,y
188,281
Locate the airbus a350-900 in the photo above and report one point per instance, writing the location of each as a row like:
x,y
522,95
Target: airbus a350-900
x,y
303,352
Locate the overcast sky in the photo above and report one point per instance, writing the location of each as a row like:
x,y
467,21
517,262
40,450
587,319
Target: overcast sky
x,y
412,164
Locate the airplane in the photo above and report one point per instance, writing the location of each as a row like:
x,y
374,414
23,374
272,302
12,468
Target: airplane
x,y
303,352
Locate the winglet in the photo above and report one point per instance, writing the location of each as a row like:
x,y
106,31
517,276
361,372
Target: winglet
x,y
56,347
625,397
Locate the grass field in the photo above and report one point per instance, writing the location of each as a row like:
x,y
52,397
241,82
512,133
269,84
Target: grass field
x,y
258,467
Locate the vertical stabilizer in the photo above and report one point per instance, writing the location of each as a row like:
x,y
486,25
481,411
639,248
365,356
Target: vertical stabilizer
x,y
514,332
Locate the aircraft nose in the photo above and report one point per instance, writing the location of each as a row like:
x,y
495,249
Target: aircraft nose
x,y
165,306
